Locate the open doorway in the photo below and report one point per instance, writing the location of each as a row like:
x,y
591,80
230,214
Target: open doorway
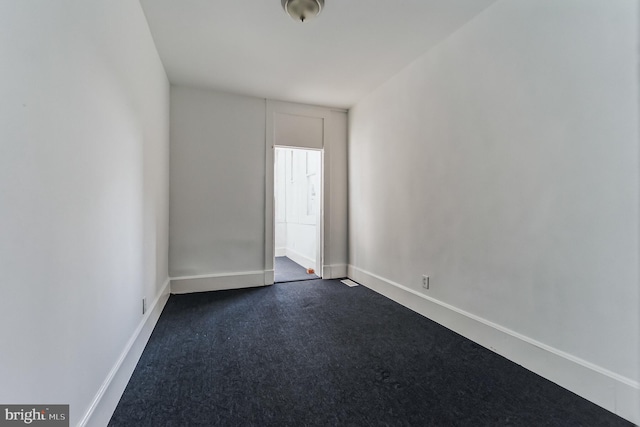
x,y
297,209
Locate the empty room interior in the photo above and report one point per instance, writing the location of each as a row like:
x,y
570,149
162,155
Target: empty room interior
x,y
455,183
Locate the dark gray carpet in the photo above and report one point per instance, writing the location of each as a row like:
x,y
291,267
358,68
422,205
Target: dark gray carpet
x,y
319,353
287,270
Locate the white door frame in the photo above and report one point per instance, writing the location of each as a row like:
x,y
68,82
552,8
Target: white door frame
x,y
274,108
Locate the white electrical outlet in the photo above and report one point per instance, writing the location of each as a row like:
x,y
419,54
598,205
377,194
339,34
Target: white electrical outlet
x,y
144,305
425,282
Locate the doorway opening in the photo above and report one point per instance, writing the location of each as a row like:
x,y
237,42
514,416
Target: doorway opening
x,y
297,214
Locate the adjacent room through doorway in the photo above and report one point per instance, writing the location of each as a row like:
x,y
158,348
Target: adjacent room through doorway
x,y
297,206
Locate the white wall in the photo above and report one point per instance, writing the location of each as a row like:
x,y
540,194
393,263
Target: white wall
x,y
83,194
504,164
217,183
336,209
218,187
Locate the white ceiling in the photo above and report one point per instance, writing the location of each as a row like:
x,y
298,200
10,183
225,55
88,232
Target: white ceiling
x,y
252,47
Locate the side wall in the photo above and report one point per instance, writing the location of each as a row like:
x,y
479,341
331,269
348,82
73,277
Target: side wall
x,y
218,180
84,158
504,165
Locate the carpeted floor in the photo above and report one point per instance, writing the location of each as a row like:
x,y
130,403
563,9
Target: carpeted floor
x,y
320,353
287,270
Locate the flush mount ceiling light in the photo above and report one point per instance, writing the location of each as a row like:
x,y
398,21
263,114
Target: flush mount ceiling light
x,y
302,10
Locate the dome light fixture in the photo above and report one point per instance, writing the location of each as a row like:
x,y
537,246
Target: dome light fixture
x,y
302,10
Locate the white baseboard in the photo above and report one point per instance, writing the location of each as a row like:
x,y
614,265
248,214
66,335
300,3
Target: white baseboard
x,y
607,389
107,398
301,259
335,271
218,282
281,252
269,277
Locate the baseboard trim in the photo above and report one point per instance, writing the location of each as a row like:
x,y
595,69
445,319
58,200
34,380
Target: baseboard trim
x,y
109,394
269,277
334,271
298,258
281,252
607,389
218,282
